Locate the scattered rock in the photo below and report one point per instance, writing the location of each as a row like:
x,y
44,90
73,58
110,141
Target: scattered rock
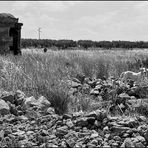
x,y
7,96
94,92
139,144
13,109
61,131
80,77
4,108
1,135
82,122
19,97
74,84
29,101
128,143
91,83
124,96
50,110
70,142
69,123
67,116
119,129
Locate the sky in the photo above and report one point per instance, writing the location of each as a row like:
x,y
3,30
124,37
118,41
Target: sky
x,y
86,20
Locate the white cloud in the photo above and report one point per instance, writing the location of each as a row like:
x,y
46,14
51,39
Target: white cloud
x,y
94,21
20,5
81,19
54,6
141,4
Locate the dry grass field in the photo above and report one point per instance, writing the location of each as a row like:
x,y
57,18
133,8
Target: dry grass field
x,y
37,73
68,99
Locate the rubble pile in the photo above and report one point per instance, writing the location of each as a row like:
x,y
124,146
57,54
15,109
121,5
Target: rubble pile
x,y
119,96
30,122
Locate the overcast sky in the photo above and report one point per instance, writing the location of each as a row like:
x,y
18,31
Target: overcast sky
x,y
93,20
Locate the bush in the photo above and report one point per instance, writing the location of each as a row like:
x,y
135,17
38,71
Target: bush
x,y
142,109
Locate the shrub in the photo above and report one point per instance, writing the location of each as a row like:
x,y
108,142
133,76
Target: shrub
x,y
142,109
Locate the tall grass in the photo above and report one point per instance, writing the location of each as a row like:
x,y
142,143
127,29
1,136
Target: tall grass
x,y
37,73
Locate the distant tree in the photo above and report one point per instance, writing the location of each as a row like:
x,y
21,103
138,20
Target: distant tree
x,y
85,44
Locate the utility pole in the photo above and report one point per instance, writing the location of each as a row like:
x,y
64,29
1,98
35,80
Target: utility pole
x,y
39,30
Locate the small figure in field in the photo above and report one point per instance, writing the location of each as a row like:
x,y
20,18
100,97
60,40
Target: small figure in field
x,y
45,49
136,77
67,64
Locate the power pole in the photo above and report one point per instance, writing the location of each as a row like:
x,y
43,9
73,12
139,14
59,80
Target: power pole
x,y
39,30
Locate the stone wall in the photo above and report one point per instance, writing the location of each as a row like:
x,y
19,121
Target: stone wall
x,y
10,34
5,40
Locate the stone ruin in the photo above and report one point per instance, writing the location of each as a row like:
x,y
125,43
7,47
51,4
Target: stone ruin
x,y
10,34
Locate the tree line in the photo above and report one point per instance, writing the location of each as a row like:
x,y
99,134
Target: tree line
x,y
65,44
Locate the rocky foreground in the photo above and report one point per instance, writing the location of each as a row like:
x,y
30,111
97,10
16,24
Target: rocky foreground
x,y
29,122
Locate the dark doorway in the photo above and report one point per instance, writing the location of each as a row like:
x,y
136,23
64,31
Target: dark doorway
x,y
14,34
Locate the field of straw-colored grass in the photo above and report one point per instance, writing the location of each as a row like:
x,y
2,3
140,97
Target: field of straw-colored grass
x,y
37,73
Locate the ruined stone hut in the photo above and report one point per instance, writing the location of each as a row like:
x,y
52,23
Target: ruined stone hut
x,y
10,34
